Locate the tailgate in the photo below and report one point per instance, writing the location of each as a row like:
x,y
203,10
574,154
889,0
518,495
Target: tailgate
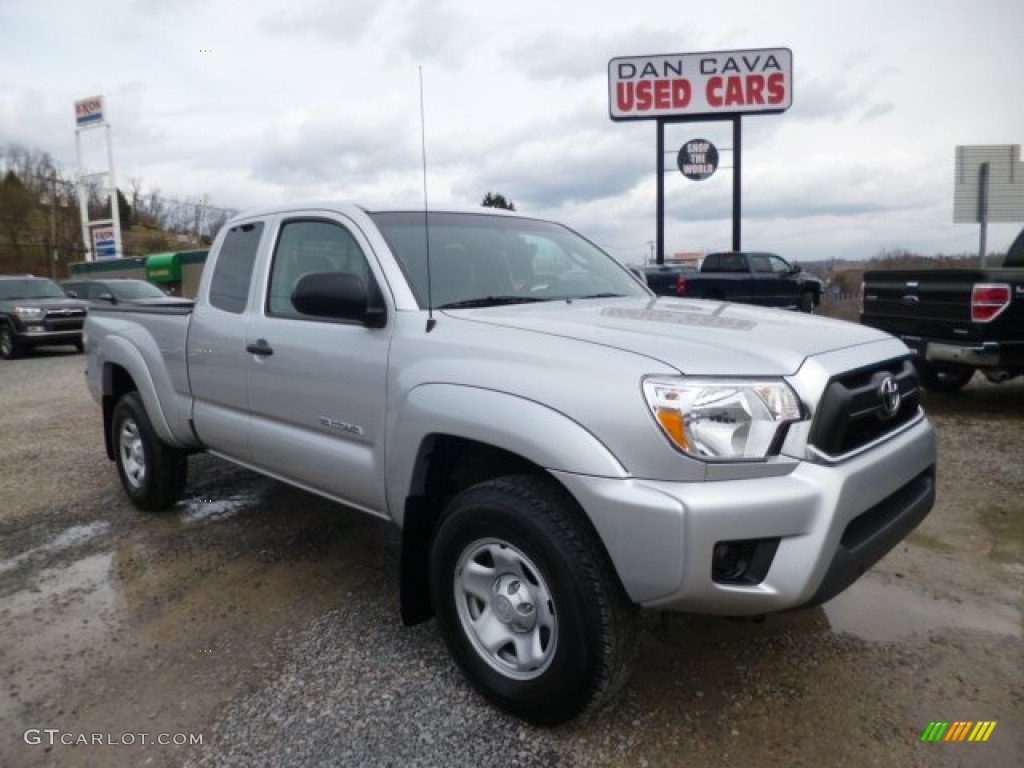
x,y
934,304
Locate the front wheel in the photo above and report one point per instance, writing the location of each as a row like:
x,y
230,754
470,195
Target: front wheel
x,y
152,472
807,302
528,602
9,346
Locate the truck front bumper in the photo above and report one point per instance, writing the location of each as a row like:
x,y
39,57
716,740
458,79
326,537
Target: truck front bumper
x,y
814,531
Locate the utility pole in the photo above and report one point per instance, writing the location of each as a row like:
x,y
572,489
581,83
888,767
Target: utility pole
x,y
53,223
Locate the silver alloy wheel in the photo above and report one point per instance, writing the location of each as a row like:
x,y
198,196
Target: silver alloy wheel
x,y
506,609
133,456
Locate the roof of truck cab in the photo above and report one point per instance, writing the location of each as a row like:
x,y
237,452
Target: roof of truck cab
x,y
348,207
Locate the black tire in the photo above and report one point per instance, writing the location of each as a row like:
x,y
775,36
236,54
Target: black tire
x,y
807,302
80,346
943,378
563,638
10,349
153,473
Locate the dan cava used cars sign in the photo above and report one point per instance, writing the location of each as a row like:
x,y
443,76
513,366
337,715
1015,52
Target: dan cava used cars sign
x,y
691,84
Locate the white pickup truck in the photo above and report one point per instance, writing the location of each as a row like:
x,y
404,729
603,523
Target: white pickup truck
x,y
557,445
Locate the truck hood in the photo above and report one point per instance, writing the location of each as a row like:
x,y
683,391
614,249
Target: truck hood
x,y
693,336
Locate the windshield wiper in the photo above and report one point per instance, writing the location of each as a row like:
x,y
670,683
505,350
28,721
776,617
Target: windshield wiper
x,y
598,296
490,301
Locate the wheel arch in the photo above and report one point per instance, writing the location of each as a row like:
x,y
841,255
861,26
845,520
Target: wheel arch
x,y
125,369
117,382
445,465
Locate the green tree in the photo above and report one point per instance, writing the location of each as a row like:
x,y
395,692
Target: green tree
x,y
497,201
125,211
16,207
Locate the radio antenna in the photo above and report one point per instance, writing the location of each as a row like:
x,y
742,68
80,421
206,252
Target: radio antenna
x,y
431,322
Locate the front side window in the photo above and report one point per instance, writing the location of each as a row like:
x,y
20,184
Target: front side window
x,y
232,276
780,266
308,246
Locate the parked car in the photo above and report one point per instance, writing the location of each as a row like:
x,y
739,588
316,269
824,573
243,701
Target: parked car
x,y
35,312
117,290
747,277
664,279
957,321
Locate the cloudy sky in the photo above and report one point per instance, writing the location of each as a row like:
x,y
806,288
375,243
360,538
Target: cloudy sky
x,y
264,101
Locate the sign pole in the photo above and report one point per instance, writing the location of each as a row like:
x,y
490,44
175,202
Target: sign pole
x,y
83,203
737,164
659,253
982,211
115,208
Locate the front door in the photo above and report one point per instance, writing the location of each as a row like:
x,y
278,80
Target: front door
x,y
317,387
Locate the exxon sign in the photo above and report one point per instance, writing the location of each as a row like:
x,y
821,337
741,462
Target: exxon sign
x,y
89,111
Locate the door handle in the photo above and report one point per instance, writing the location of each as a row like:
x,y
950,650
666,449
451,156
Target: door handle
x,y
259,348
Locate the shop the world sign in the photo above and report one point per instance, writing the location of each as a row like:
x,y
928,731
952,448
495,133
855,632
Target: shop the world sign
x,y
692,84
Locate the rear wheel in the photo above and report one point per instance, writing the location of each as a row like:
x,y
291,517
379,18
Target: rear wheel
x,y
943,378
528,602
153,473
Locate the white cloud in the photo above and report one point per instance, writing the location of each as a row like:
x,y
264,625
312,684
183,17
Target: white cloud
x,y
274,100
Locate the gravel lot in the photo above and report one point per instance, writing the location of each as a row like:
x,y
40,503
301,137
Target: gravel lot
x,y
265,620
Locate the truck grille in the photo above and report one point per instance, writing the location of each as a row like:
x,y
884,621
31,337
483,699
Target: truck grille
x,y
863,406
64,319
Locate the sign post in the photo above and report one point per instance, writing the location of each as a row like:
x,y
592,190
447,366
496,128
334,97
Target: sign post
x,y
89,114
989,187
691,87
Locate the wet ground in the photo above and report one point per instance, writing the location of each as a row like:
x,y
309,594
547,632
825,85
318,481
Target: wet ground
x,y
265,621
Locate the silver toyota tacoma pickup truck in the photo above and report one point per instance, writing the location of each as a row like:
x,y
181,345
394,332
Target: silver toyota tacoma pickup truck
x,y
558,446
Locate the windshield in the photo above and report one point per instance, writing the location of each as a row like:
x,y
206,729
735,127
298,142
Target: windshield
x,y
30,288
482,259
135,289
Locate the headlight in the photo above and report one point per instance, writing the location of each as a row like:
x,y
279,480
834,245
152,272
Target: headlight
x,y
724,419
30,313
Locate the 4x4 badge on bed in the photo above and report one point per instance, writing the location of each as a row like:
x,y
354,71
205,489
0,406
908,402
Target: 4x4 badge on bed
x,y
889,395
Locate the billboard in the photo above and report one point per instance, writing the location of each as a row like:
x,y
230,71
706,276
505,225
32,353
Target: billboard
x,y
700,84
1005,193
89,111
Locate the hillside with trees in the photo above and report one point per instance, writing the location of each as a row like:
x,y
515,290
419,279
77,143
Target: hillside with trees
x,y
40,217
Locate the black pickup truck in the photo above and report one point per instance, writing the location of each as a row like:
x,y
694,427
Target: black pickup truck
x,y
35,312
746,277
957,321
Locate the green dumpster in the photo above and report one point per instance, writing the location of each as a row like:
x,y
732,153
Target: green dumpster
x,y
163,268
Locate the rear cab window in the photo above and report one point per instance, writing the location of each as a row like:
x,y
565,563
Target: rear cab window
x,y
232,275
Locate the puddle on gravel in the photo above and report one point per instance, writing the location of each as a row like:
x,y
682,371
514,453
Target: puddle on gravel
x,y
204,510
70,537
882,612
53,626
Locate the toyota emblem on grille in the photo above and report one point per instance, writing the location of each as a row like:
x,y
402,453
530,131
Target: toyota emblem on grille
x,y
889,396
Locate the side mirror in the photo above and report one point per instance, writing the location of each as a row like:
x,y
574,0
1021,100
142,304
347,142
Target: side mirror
x,y
337,296
71,293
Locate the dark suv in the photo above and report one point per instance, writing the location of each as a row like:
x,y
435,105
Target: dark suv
x,y
35,312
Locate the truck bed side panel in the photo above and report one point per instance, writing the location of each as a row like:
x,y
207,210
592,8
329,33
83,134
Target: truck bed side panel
x,y
149,344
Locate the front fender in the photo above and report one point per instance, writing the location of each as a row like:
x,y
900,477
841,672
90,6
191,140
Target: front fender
x,y
526,428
